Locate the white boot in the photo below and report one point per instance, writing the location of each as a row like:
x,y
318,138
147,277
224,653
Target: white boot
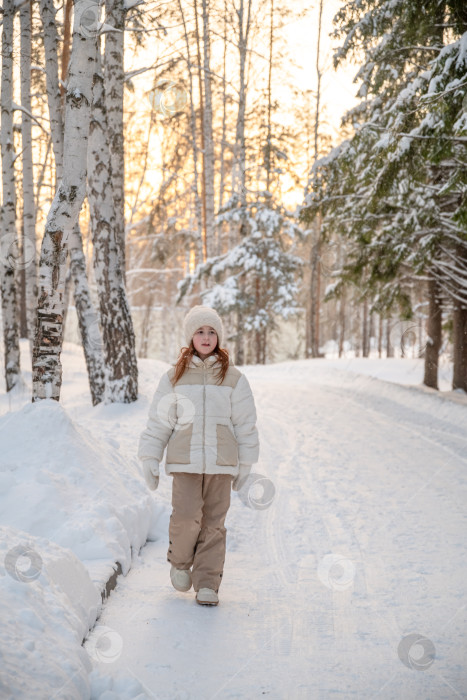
x,y
206,596
181,579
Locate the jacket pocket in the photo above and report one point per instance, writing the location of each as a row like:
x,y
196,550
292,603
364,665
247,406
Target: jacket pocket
x,y
178,448
227,448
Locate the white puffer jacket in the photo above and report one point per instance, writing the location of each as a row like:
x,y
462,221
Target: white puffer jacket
x,y
207,428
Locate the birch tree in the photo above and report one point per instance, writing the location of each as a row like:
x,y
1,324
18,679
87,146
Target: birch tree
x,y
208,133
114,80
9,241
64,212
115,317
50,37
88,319
28,262
194,139
87,316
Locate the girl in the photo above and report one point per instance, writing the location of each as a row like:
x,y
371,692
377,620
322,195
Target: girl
x,y
204,413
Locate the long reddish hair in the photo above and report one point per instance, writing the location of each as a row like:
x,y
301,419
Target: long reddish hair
x,y
186,354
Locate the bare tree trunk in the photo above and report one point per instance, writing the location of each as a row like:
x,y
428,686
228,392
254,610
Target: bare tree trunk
x,y
194,141
63,214
66,47
315,290
239,339
224,127
9,242
316,247
203,149
342,310
117,326
50,37
307,302
268,163
28,262
459,380
66,297
380,336
239,174
371,331
208,136
258,332
239,169
145,327
87,319
389,348
434,334
365,330
358,330
89,328
114,80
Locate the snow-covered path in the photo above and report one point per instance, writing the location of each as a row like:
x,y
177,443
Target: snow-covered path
x,y
324,591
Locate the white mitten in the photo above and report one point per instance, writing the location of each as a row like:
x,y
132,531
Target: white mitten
x,y
151,473
243,472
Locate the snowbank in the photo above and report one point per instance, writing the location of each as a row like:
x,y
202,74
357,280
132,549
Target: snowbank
x,y
57,481
72,507
47,605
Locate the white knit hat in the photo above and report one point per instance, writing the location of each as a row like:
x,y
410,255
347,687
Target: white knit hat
x,y
202,316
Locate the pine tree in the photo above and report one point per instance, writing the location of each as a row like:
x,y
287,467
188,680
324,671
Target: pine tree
x,y
388,188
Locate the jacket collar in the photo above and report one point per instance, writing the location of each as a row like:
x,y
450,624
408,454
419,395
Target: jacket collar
x,y
208,362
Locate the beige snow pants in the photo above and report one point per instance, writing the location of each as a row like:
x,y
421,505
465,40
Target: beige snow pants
x,y
197,534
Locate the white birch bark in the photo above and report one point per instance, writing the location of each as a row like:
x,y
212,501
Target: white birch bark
x,y
224,126
28,261
208,137
50,37
9,241
117,326
201,112
239,170
114,80
87,319
240,150
63,214
87,315
194,142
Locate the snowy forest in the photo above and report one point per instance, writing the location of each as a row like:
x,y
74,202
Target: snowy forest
x,y
130,203
301,169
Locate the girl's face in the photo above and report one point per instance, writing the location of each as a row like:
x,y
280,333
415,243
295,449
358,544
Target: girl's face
x,y
204,341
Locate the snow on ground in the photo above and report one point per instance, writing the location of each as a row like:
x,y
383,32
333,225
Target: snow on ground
x,y
67,492
346,565
48,603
